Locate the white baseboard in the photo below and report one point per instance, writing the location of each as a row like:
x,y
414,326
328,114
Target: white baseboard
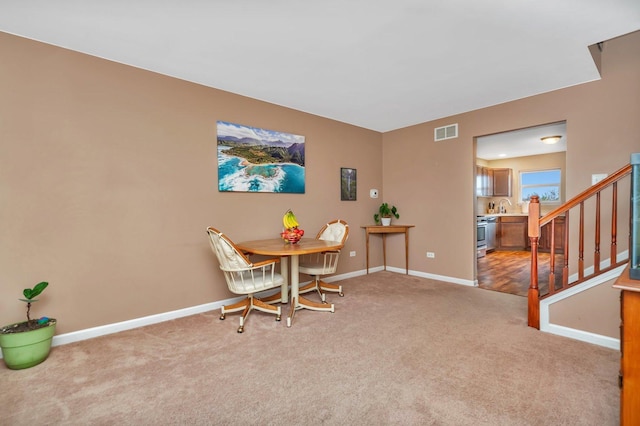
x,y
545,326
469,283
585,336
104,330
107,329
348,275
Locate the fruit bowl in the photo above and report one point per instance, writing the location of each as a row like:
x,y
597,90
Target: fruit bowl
x,y
292,235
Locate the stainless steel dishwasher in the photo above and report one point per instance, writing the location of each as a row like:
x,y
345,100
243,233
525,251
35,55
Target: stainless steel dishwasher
x,y
491,233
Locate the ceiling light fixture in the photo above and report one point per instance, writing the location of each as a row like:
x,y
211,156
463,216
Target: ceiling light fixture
x,y
550,140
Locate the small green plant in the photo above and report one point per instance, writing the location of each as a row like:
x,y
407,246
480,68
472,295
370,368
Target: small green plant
x,y
385,211
29,295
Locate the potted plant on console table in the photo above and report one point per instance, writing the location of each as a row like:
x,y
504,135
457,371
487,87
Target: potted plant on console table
x,y
385,213
25,344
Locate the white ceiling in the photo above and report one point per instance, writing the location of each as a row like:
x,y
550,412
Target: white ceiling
x,y
521,143
381,65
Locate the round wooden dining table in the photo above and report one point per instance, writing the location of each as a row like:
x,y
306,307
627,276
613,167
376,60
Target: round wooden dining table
x,y
289,260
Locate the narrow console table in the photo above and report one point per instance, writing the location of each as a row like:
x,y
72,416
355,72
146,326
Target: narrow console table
x,y
384,230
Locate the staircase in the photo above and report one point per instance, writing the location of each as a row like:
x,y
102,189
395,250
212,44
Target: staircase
x,y
589,247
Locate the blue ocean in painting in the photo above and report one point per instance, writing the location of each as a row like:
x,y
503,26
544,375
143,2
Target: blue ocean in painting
x,y
233,175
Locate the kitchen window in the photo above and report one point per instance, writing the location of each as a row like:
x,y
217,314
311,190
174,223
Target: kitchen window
x,y
544,183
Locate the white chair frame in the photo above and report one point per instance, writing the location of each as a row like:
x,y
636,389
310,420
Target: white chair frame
x,y
244,277
325,263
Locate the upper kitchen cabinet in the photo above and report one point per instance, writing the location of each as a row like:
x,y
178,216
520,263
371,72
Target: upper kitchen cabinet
x,y
492,182
484,181
502,179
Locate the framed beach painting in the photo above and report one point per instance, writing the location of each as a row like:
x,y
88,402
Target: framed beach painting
x,y
251,159
348,184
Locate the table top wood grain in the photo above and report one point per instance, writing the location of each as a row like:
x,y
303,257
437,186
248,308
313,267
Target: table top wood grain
x,y
278,247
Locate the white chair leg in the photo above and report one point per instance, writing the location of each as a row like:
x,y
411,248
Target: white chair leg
x,y
238,306
270,309
334,288
243,317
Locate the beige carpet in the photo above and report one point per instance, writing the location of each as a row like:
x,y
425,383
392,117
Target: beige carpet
x,y
398,350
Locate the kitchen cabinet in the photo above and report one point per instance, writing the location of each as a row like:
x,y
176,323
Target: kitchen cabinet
x,y
492,182
544,242
512,233
502,179
629,378
484,181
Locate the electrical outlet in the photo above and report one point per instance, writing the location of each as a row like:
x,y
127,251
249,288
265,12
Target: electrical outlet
x,y
373,193
352,253
431,255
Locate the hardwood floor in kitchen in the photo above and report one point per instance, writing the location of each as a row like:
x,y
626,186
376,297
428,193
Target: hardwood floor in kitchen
x,y
509,271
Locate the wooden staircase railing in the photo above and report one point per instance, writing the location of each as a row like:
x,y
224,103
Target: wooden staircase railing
x,y
590,200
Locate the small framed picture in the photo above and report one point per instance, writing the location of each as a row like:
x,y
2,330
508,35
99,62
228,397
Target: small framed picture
x,y
348,184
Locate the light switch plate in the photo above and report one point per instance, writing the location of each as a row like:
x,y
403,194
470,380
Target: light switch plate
x,y
373,193
595,178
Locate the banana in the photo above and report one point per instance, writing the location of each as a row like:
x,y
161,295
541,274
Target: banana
x,y
293,222
286,219
289,220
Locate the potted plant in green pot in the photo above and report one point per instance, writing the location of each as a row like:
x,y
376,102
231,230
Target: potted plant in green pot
x,y
385,213
25,344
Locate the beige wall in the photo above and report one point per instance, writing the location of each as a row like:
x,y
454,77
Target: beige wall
x,y
108,178
598,308
432,182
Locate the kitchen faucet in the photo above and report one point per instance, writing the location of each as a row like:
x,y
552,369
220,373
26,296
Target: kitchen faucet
x,y
502,209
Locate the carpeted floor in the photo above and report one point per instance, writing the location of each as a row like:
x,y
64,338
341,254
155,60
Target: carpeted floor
x,y
398,350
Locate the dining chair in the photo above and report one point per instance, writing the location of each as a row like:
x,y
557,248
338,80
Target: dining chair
x,y
325,263
245,277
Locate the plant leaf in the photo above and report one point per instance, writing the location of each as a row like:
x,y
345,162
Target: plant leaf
x,y
39,288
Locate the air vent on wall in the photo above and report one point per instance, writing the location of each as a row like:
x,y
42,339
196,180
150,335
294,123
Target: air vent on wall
x,y
446,132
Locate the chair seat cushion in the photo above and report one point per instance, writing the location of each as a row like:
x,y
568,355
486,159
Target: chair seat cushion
x,y
315,269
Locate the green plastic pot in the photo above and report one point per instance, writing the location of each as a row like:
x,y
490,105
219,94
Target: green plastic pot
x,y
28,348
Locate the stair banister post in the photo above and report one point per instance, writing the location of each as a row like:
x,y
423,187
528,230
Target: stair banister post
x,y
533,295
